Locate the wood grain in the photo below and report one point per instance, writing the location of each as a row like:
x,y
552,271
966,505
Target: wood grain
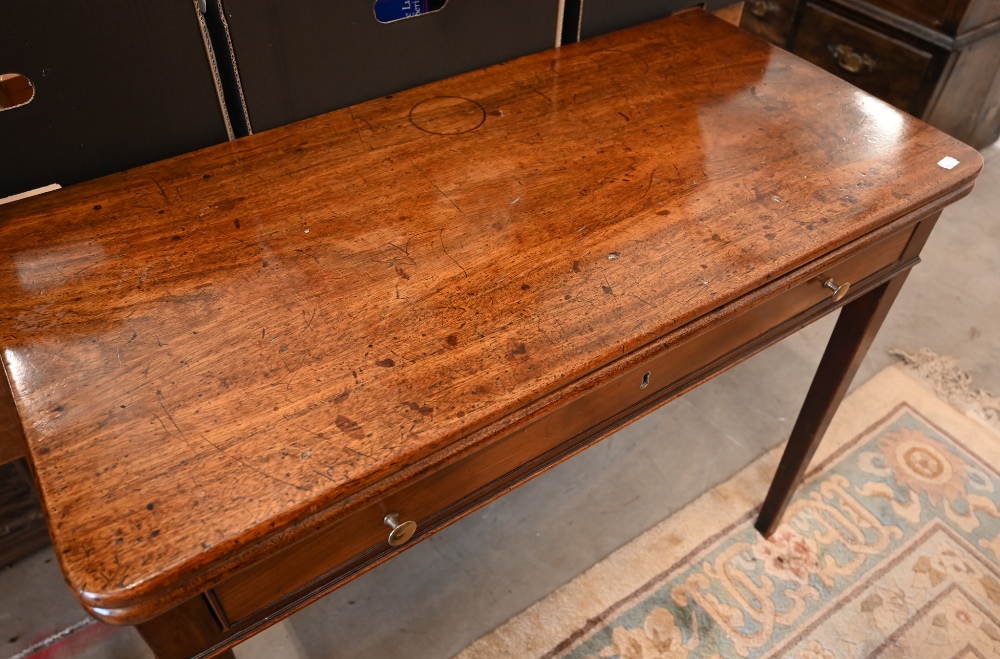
x,y
359,535
215,355
188,630
856,328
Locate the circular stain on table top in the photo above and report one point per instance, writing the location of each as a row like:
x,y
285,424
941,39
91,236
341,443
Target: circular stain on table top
x,y
447,115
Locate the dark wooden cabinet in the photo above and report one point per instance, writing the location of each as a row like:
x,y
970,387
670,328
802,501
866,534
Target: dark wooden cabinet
x,y
22,526
770,19
937,59
952,17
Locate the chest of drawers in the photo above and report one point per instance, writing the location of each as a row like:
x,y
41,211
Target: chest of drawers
x,y
936,59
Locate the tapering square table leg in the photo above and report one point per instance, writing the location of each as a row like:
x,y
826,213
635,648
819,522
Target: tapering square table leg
x,y
856,328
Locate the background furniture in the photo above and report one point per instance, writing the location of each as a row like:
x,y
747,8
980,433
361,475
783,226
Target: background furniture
x,y
937,59
582,20
298,58
117,84
22,526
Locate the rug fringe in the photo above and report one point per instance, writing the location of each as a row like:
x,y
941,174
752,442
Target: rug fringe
x,y
55,638
952,384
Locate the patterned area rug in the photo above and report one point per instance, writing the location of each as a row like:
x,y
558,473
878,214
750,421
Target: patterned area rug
x,y
891,548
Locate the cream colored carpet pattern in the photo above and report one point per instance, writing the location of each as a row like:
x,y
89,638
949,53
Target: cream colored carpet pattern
x,y
891,548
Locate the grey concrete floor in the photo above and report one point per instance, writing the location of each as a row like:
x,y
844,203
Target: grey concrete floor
x,y
442,594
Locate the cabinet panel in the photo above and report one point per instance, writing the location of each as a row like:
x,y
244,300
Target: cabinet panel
x,y
769,19
117,84
937,59
602,16
974,75
301,58
948,16
881,65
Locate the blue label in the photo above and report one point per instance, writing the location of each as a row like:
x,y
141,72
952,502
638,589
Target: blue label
x,y
393,10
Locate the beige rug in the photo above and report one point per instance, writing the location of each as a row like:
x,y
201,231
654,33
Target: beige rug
x,y
891,548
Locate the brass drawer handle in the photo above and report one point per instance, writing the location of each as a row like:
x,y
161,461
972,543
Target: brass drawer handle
x,y
401,532
838,291
761,8
850,60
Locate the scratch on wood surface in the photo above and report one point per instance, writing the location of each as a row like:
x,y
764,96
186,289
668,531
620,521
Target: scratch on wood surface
x,y
445,250
311,319
646,302
543,95
180,435
538,324
305,253
854,131
417,167
703,285
361,140
357,452
631,55
162,191
650,184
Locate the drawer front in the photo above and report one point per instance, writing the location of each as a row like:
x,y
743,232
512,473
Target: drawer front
x,y
769,19
932,13
881,65
948,16
343,547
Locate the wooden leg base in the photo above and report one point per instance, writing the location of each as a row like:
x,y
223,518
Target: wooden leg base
x,y
856,327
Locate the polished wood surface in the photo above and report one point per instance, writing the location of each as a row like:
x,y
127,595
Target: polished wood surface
x,y
335,552
190,629
216,355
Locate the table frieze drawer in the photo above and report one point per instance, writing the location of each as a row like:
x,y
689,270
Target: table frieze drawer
x,y
361,539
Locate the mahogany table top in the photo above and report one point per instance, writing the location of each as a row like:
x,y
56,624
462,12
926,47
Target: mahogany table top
x,y
211,353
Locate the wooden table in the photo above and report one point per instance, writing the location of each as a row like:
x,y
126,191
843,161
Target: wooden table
x,y
231,366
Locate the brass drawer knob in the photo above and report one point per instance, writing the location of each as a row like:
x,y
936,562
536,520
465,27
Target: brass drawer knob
x,y
761,8
839,291
400,532
851,61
